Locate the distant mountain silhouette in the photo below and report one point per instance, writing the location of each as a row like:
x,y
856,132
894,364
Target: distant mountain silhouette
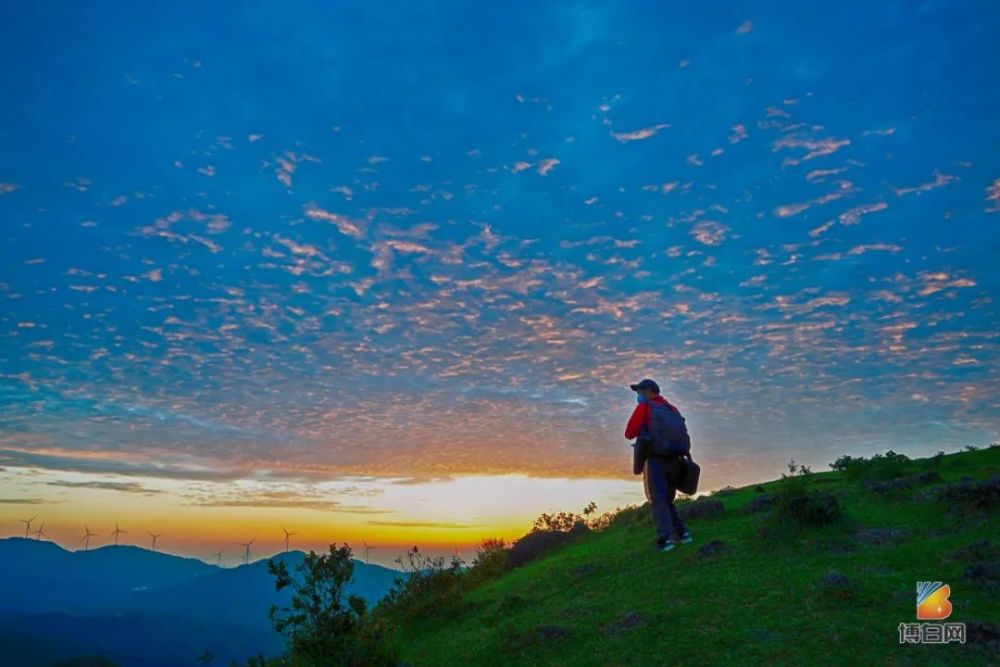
x,y
41,576
244,594
145,608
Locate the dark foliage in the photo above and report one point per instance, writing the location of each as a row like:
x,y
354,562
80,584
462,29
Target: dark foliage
x,y
322,625
980,550
972,497
627,515
535,544
702,508
759,504
565,521
888,486
429,587
542,634
488,562
880,466
984,575
796,503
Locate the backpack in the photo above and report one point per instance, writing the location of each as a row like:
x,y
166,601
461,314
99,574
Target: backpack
x,y
667,432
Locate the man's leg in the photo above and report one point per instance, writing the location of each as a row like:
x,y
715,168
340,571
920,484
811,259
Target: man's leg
x,y
655,480
673,477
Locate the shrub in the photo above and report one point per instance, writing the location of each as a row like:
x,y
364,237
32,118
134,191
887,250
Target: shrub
x,y
630,514
489,559
565,521
427,588
321,626
560,521
880,466
604,520
972,497
596,521
796,503
537,543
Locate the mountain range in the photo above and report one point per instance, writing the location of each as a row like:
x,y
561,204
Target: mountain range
x,y
142,608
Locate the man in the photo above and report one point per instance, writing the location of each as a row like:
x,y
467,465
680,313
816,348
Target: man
x,y
660,474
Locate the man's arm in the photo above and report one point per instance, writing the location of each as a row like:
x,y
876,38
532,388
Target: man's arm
x,y
639,417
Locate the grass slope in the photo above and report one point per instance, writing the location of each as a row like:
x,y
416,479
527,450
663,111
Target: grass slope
x,y
763,603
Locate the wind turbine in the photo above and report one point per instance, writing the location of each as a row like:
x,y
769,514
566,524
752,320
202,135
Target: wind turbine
x,y
27,525
367,549
40,532
117,531
287,535
154,536
218,557
246,549
86,537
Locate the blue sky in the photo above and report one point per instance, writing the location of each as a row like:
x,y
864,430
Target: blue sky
x,y
414,242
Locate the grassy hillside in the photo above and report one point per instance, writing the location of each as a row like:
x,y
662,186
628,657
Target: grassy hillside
x,y
606,598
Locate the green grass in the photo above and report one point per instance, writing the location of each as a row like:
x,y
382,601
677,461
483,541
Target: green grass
x,y
762,603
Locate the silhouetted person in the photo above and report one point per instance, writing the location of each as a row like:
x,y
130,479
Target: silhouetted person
x,y
661,444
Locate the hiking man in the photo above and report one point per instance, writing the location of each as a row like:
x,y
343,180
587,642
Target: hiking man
x,y
660,447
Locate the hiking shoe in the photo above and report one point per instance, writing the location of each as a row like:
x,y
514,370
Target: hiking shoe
x,y
682,539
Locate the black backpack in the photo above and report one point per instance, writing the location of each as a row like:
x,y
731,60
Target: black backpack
x,y
667,431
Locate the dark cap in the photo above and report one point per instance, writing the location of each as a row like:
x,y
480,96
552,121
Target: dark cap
x,y
645,384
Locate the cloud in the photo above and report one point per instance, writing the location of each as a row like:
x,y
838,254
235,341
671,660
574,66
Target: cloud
x,y
287,164
814,147
123,487
130,464
305,504
640,134
935,282
993,195
547,165
709,232
854,215
738,133
939,181
888,247
414,481
425,524
351,228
